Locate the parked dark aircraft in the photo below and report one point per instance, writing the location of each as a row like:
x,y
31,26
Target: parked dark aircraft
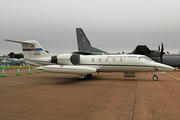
x,y
84,47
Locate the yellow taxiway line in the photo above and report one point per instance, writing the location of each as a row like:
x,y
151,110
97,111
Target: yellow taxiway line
x,y
173,77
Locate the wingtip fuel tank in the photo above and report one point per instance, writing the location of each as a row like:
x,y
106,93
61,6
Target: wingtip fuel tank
x,y
69,69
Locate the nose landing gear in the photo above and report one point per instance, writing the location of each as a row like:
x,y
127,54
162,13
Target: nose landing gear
x,y
155,78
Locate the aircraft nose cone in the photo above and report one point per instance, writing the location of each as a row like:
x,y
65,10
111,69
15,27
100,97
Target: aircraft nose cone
x,y
172,68
166,67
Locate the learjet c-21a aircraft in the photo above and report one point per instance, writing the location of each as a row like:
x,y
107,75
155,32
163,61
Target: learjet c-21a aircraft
x,y
88,64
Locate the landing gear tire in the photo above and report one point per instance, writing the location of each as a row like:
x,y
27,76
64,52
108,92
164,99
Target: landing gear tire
x,y
155,78
89,76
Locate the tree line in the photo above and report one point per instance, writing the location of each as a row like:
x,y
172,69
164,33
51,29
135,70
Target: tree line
x,y
13,55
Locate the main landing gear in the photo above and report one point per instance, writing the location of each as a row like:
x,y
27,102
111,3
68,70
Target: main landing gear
x,y
89,76
83,77
155,78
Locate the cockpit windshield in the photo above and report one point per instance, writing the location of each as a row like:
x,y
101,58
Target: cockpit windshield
x,y
145,59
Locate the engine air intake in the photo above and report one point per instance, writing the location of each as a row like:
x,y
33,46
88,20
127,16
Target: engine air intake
x,y
54,59
75,59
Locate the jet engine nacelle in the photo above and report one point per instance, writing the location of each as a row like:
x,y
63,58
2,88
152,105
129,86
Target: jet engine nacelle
x,y
66,59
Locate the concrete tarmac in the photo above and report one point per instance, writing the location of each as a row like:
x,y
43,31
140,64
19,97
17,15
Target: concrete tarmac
x,y
106,96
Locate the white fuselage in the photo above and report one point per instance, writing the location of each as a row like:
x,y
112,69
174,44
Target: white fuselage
x,y
108,63
39,61
123,63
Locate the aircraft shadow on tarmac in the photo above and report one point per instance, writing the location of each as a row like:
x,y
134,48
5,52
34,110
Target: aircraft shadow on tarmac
x,y
74,80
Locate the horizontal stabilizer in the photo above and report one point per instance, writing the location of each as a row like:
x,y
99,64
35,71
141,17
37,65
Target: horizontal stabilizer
x,y
22,42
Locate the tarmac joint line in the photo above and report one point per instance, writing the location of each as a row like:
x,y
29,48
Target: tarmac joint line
x,y
134,100
173,77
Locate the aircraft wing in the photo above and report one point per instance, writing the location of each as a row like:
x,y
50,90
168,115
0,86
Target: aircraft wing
x,y
141,49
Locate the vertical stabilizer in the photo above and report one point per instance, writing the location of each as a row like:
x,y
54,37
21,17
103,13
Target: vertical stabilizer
x,y
31,49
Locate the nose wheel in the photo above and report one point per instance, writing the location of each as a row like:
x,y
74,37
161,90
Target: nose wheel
x,y
155,78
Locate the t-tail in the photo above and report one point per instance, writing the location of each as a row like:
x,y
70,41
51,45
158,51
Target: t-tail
x,y
33,52
84,45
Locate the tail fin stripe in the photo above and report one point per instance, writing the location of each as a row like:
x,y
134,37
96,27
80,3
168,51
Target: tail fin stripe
x,y
37,49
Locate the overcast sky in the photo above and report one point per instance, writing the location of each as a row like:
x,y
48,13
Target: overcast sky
x,y
110,25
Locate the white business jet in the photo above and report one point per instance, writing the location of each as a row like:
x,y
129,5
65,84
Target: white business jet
x,y
88,64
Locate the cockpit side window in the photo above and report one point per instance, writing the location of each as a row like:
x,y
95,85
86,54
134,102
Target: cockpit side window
x,y
145,59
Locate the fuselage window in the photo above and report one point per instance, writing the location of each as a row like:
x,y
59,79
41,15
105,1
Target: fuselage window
x,y
145,59
114,59
99,60
92,60
121,59
106,59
